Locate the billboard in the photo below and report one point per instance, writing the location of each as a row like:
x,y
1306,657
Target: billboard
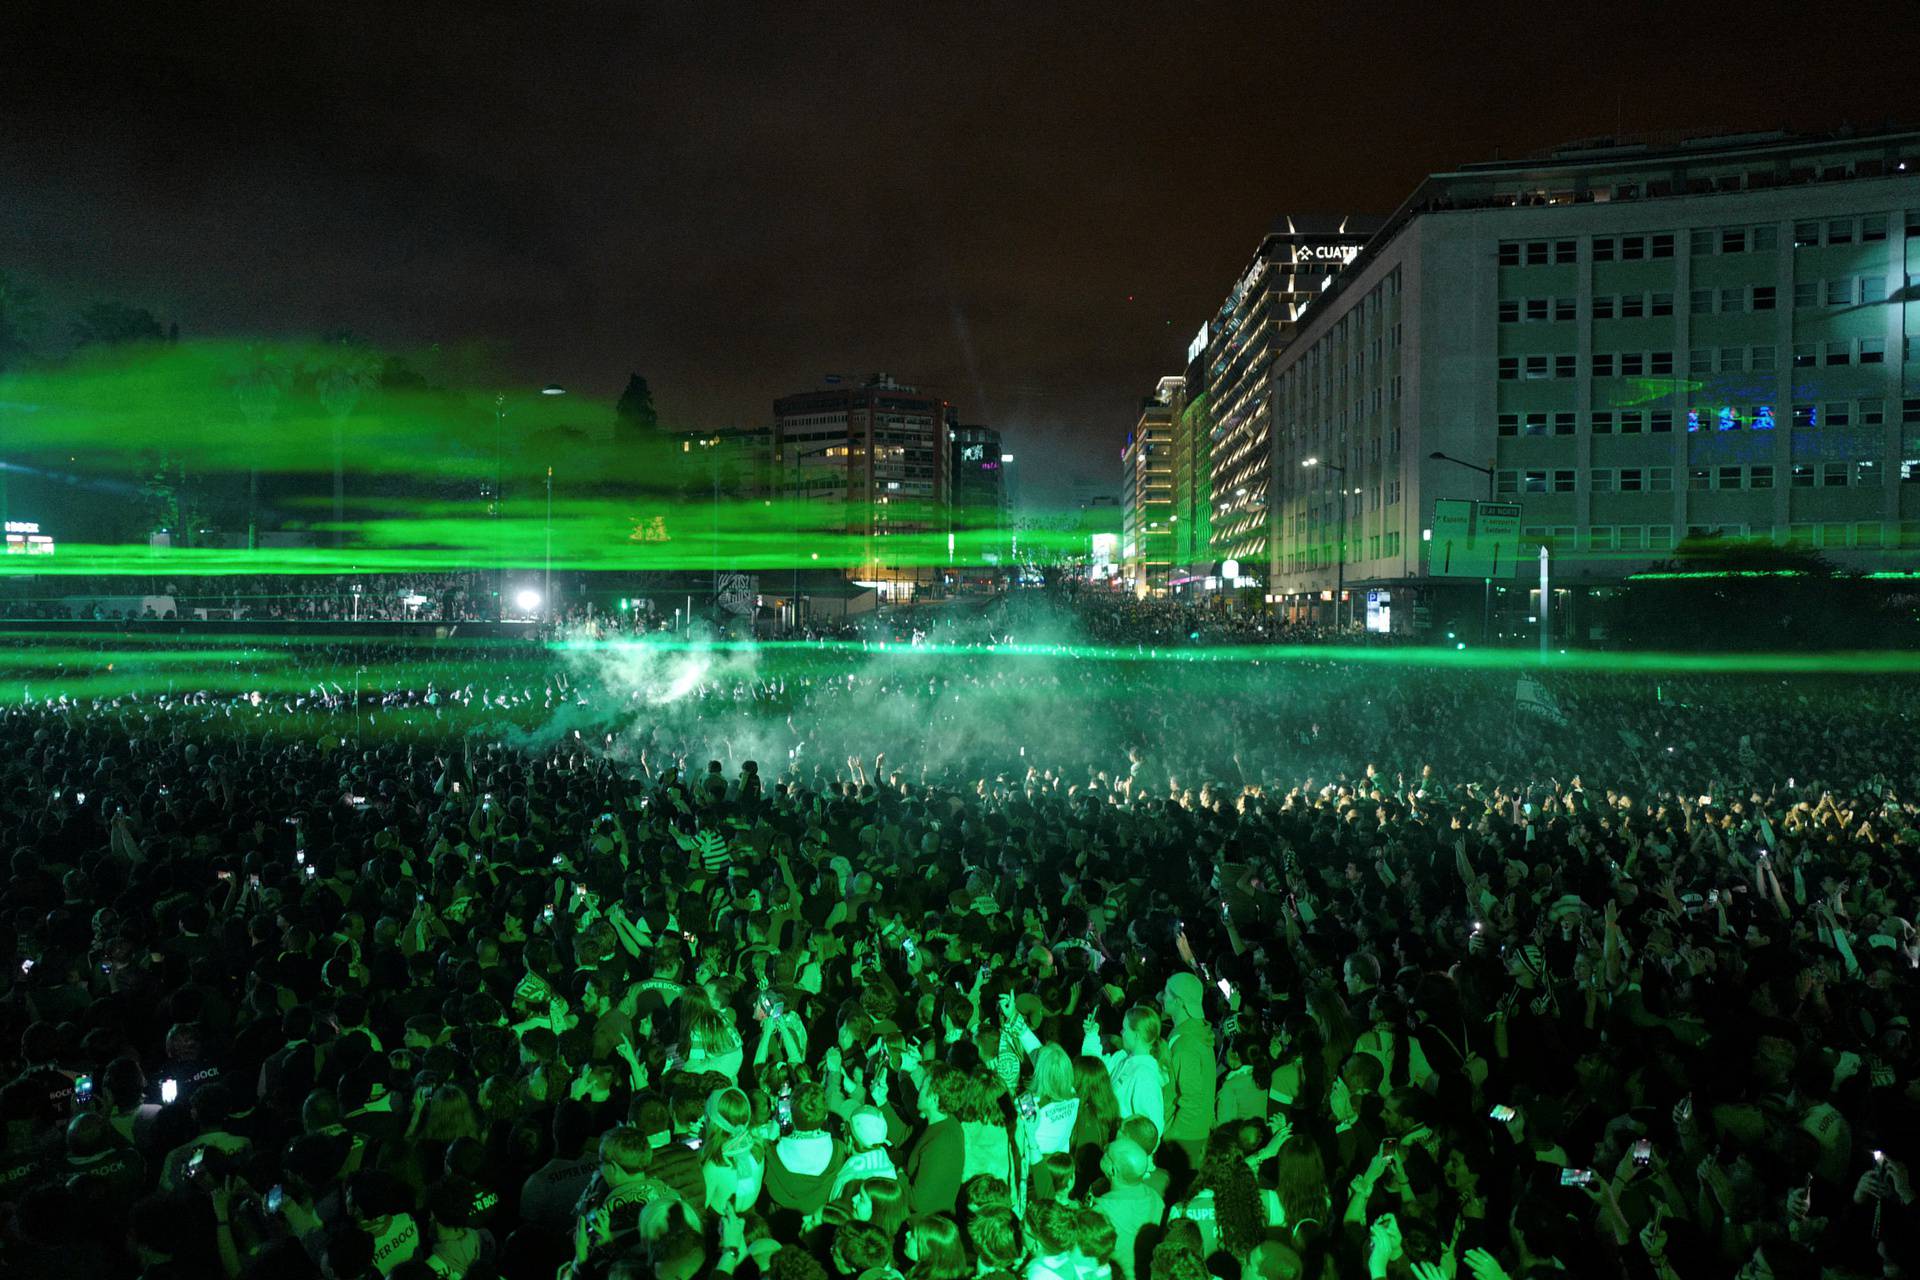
x,y
1473,539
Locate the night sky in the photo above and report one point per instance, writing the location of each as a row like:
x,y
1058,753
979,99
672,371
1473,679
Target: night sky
x,y
1028,207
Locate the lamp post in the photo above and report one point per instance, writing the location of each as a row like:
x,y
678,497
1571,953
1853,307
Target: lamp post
x,y
1486,599
499,452
1340,543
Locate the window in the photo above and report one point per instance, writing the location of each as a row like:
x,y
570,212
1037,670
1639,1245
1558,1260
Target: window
x,y
1509,424
1805,355
1866,533
1840,292
1661,245
1565,308
1509,368
1602,249
1726,478
1802,475
1632,364
1873,351
1600,537
1536,253
1839,352
1834,413
1763,417
1700,360
1536,310
1566,251
1633,248
1763,297
1701,241
1602,424
1602,365
1733,301
1765,238
1536,481
1506,482
1806,293
1873,227
1509,253
1840,231
1536,424
1873,289
1833,475
1866,473
1632,537
1633,306
1563,424
1509,312
1659,479
1630,422
1806,235
1565,366
1733,359
1833,534
1660,421
1600,480
1699,477
1760,477
1563,480
1660,303
1873,413
1700,302
1733,240
1805,415
1760,359
1536,368
1631,479
1660,362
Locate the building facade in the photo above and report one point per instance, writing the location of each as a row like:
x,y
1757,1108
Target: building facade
x,y
868,469
981,526
1146,492
1295,262
1637,344
1192,516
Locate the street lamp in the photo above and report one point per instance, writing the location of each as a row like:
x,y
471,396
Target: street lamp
x,y
1486,601
499,449
1340,544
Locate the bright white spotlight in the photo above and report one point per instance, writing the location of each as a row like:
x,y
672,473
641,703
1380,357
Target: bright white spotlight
x,y
528,600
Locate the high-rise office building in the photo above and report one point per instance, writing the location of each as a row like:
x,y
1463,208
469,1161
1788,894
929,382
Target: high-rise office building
x,y
1635,343
1192,516
1146,492
871,462
981,526
1295,262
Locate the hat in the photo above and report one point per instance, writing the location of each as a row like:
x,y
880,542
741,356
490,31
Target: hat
x,y
868,1127
1186,990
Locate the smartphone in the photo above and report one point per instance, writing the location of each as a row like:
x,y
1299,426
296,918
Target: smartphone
x,y
169,1091
276,1195
83,1089
456,788
1643,1153
1028,1106
312,871
773,1006
223,875
1502,1113
196,1161
909,946
1575,1177
1226,988
784,1110
547,914
106,966
26,965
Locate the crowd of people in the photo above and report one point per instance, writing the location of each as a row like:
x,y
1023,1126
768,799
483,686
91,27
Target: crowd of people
x,y
359,960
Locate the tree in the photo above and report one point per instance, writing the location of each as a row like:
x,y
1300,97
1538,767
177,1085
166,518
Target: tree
x,y
635,415
106,324
20,321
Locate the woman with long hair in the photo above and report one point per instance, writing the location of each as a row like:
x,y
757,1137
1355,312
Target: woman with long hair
x,y
1097,1122
1225,1201
708,1041
934,1248
883,1202
731,1163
